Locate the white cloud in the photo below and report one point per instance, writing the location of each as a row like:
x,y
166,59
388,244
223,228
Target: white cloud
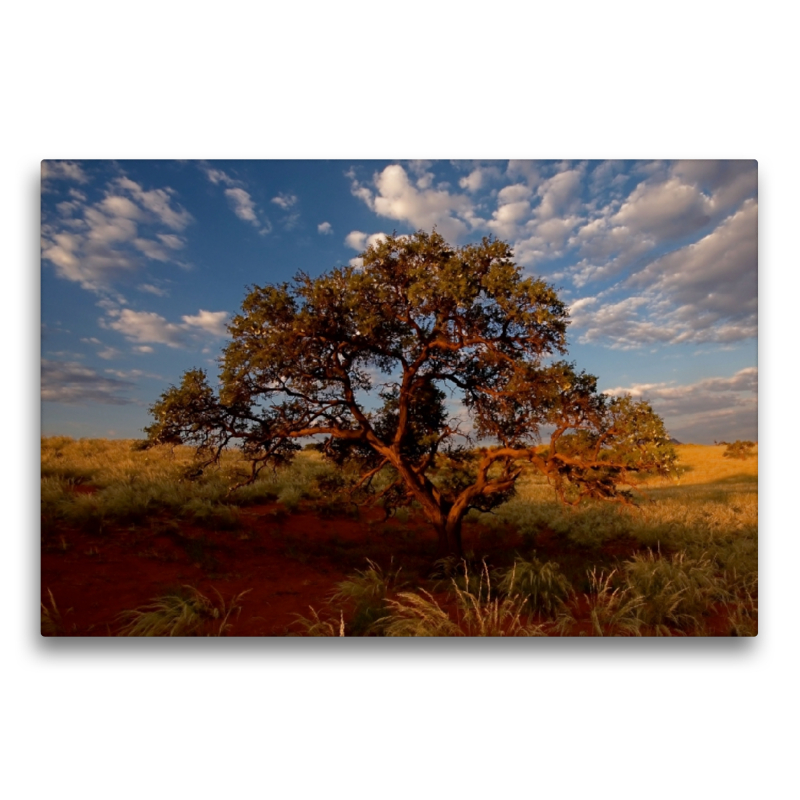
x,y
100,244
213,322
324,228
146,327
242,204
118,206
152,249
239,199
558,194
664,210
63,170
159,203
151,289
361,241
284,200
172,241
704,292
356,240
513,209
218,176
474,181
397,198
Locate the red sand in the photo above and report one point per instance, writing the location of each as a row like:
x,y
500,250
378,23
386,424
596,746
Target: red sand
x,y
288,562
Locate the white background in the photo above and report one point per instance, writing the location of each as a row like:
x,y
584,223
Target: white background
x,y
297,719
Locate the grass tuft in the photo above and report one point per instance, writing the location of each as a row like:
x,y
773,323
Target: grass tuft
x,y
185,612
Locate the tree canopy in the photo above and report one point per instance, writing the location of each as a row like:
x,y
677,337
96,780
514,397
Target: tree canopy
x,y
441,365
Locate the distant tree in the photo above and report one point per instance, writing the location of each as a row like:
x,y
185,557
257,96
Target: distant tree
x,y
369,360
739,449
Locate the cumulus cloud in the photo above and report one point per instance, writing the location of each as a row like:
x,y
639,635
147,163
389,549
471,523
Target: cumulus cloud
x,y
146,327
538,216
664,210
159,203
717,276
325,228
284,200
77,384
242,204
62,170
718,408
213,322
396,197
480,177
360,241
558,194
239,199
96,245
473,181
674,202
704,292
619,324
728,183
513,208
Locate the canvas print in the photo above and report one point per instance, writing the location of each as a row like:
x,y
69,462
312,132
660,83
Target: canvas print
x,y
399,398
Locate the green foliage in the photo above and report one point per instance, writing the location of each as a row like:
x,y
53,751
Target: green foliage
x,y
367,592
545,588
674,591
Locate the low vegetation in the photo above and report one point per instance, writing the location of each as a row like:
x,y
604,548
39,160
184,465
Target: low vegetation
x,y
183,612
682,561
740,449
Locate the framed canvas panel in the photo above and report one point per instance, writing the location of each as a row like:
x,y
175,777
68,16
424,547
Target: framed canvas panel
x,y
399,398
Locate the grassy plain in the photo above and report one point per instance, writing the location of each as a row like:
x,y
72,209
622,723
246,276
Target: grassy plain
x,y
136,543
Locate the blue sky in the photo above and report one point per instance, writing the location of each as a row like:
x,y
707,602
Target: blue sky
x,y
143,262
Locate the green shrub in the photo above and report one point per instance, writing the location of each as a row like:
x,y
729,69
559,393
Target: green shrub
x,y
545,588
367,592
674,591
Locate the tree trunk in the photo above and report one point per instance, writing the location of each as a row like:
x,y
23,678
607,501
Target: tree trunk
x,y
454,537
449,536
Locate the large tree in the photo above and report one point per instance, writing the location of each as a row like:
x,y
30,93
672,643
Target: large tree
x,y
436,365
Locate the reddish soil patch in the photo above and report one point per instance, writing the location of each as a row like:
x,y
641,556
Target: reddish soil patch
x,y
288,562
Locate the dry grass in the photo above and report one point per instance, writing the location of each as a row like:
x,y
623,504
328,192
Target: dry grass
x,y
475,613
133,485
184,612
53,623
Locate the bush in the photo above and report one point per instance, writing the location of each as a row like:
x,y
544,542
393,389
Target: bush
x,y
739,449
673,591
367,591
542,584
